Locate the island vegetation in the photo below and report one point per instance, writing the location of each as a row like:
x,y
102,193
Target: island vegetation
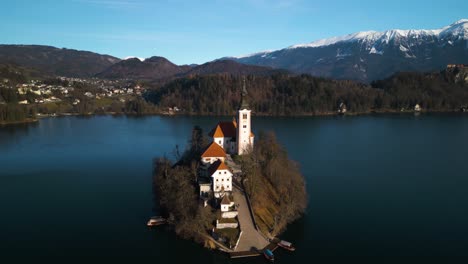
x,y
174,185
274,184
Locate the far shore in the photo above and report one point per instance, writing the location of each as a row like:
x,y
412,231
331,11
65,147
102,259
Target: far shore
x,y
25,121
386,111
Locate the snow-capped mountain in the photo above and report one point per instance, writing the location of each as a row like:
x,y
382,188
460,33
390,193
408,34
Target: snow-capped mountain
x,y
371,55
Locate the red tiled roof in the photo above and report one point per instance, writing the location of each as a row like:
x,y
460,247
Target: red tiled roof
x,y
224,129
218,132
217,165
213,151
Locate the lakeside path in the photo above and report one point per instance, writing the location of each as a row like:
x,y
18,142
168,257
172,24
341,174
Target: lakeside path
x,y
251,239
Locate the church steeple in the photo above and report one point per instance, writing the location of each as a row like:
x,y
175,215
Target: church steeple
x,y
244,102
244,131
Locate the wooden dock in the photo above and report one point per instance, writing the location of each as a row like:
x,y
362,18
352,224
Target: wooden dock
x,y
246,254
273,244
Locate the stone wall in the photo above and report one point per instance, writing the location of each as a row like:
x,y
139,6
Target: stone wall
x,y
230,214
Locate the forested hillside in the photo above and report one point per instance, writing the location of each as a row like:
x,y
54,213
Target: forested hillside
x,y
284,94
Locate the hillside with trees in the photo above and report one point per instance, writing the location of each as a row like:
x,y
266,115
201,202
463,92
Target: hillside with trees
x,y
441,91
289,95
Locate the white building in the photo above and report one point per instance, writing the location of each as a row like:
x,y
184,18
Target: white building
x,y
226,204
221,178
245,137
417,108
205,188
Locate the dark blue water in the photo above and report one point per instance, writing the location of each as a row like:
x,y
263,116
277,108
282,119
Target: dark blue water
x,y
381,188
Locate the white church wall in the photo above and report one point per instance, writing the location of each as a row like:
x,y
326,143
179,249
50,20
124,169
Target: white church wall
x,y
243,131
224,207
219,141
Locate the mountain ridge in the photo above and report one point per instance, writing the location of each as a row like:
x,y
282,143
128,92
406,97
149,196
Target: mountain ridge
x,y
155,67
371,55
56,61
362,56
160,68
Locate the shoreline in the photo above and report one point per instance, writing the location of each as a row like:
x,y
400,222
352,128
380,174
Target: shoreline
x,y
26,121
379,112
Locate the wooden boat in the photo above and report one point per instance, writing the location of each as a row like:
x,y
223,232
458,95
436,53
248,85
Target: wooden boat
x,y
156,220
268,254
286,245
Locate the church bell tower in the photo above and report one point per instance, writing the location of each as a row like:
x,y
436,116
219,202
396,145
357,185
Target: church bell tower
x,y
244,130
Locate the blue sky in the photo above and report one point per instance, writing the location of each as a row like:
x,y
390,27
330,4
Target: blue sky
x,y
199,31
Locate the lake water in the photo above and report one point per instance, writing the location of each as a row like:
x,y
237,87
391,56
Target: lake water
x,y
381,188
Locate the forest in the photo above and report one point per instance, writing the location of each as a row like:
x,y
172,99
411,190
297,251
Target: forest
x,y
279,94
288,95
10,110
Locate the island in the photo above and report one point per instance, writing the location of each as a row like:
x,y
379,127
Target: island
x,y
229,193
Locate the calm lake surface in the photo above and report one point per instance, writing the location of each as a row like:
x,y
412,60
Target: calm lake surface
x,y
381,188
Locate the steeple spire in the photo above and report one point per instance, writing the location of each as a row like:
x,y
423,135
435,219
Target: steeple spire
x,y
244,90
244,103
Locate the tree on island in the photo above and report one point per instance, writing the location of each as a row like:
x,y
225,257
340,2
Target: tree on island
x,y
274,183
176,193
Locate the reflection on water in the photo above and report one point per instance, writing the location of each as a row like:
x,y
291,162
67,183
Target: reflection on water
x,y
384,185
12,134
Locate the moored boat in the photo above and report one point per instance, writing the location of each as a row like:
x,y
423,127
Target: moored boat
x,y
286,245
155,221
268,254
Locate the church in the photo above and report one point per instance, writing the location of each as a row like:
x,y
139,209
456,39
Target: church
x,y
236,136
232,137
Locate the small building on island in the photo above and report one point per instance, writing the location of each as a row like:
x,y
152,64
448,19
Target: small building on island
x,y
221,178
226,204
212,154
